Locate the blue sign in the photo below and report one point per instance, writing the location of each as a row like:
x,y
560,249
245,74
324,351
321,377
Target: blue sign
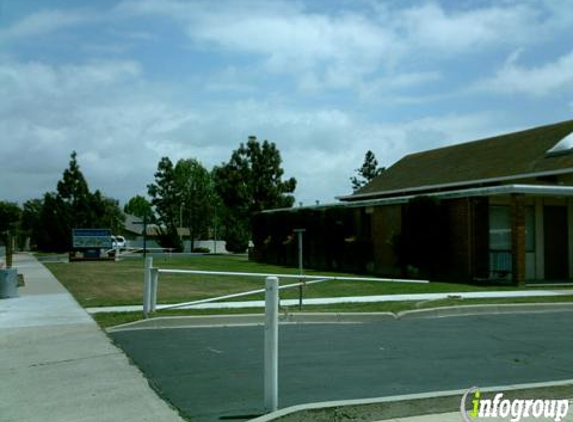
x,y
91,238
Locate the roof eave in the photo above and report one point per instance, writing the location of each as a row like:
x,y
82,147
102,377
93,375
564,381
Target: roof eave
x,y
359,196
541,190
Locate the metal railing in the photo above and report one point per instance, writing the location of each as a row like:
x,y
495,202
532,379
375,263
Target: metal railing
x,y
272,301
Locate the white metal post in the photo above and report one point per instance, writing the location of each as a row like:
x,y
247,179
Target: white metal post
x,y
147,286
154,281
116,250
271,343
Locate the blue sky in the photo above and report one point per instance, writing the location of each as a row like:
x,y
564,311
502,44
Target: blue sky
x,y
125,83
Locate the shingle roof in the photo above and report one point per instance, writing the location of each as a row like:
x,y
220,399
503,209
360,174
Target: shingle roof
x,y
501,156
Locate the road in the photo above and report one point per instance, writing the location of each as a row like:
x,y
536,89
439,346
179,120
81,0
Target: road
x,y
216,373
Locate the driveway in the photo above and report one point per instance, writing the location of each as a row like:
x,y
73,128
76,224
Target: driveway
x,y
216,373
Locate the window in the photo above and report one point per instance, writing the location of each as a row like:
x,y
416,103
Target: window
x,y
499,228
529,229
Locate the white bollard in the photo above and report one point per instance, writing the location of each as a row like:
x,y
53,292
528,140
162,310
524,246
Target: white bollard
x,y
154,281
147,286
271,343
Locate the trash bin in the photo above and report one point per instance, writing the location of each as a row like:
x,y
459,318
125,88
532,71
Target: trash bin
x,y
8,283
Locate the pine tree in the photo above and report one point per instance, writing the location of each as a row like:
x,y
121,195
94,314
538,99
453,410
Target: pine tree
x,y
73,206
367,172
166,200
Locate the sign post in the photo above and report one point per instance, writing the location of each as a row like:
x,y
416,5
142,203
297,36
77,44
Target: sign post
x,y
299,233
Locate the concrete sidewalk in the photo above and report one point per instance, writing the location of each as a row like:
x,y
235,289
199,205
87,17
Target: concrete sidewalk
x,y
57,365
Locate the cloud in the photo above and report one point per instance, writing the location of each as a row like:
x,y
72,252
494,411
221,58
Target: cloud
x,y
44,22
541,80
120,126
286,39
48,111
338,50
123,115
430,26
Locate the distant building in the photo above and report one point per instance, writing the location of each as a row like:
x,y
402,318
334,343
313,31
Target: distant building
x,y
505,211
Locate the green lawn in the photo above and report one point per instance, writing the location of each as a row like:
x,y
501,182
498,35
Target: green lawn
x,y
120,283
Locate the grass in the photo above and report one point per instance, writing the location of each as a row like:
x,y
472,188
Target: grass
x,y
110,319
120,283
111,283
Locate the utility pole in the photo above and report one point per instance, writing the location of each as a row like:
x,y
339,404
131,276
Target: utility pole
x,y
144,223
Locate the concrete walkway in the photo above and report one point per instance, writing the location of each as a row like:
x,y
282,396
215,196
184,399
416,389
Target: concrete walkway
x,y
57,365
414,297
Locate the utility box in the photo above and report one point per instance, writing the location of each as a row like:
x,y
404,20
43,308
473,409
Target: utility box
x,y
8,283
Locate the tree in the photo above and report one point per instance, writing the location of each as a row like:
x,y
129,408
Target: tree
x,y
367,172
31,223
195,186
166,200
73,206
250,182
10,214
139,206
107,212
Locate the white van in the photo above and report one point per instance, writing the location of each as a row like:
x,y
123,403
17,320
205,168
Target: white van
x,y
118,242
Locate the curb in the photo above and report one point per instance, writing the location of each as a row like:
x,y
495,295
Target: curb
x,y
252,319
340,318
486,309
391,407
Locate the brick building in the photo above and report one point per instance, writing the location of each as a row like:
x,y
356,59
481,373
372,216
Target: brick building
x,y
503,209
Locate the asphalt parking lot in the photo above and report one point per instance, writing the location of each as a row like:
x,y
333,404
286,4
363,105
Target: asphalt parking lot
x,y
216,373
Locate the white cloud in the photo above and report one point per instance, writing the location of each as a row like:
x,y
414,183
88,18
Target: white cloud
x,y
386,87
122,119
343,49
120,128
335,50
48,111
541,80
429,26
44,22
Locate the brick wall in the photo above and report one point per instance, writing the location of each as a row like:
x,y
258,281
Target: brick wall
x,y
458,248
386,222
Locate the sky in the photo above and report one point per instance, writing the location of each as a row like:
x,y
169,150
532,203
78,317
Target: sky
x,y
125,83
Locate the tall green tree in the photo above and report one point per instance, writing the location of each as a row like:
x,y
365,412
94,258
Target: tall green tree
x,y
166,199
10,214
106,212
195,186
250,182
367,172
139,206
31,222
74,206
